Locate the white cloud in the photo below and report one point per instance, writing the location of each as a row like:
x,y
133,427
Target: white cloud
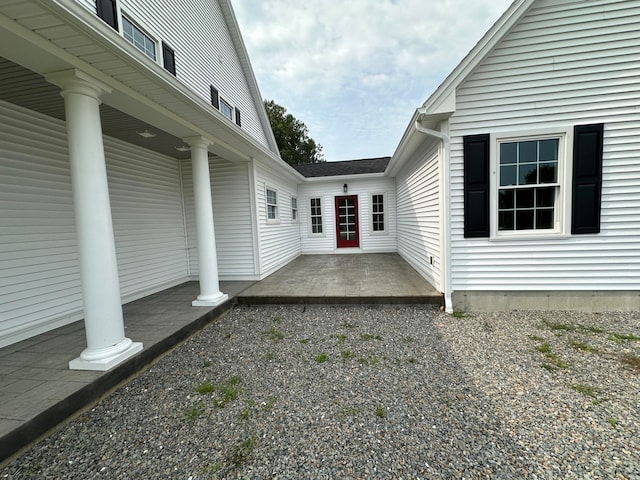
x,y
333,64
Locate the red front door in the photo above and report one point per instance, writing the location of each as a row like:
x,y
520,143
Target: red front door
x,y
347,221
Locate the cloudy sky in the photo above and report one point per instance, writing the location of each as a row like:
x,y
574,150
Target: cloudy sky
x,y
354,71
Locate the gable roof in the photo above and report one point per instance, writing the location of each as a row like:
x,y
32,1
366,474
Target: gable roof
x,y
346,167
441,104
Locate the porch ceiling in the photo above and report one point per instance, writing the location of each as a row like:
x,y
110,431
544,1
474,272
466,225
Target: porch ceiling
x,y
28,89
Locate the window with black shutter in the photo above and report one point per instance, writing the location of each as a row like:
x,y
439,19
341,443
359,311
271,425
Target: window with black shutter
x,y
108,11
237,114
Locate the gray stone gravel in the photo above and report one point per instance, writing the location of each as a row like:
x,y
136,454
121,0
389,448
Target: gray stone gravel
x,y
369,392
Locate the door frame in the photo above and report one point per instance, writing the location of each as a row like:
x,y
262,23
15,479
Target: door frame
x,y
347,243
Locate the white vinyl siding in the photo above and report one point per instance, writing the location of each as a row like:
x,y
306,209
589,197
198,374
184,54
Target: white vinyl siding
x,y
144,188
279,242
39,270
565,63
232,219
205,54
418,210
370,242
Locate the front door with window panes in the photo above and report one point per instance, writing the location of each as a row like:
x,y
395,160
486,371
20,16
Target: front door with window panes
x,y
347,221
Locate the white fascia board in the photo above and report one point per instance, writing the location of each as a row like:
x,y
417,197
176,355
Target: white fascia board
x,y
241,50
412,139
442,95
341,178
284,168
121,98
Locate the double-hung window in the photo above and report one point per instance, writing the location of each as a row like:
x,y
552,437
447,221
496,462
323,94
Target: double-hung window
x,y
138,38
529,183
377,212
294,209
226,109
272,205
315,205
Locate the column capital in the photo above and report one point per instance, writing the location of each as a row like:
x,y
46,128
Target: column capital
x,y
77,81
198,141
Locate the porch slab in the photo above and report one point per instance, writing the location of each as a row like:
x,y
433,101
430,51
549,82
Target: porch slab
x,y
38,391
376,278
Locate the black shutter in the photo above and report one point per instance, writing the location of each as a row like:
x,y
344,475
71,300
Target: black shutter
x,y
108,12
238,121
476,186
215,101
168,58
587,178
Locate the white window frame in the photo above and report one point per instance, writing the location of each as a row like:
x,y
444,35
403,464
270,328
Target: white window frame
x,y
322,222
156,42
223,101
385,215
295,213
276,219
562,209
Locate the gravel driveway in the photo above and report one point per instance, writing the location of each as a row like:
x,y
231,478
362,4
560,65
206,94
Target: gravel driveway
x,y
369,392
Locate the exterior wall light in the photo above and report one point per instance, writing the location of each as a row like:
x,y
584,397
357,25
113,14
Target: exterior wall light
x,y
146,134
344,188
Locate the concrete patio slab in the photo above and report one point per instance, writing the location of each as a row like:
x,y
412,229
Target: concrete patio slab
x,y
380,278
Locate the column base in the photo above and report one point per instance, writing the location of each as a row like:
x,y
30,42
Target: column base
x,y
210,300
104,364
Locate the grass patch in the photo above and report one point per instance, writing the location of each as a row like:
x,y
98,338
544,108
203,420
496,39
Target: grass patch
x,y
348,412
620,338
205,387
412,360
582,346
206,363
544,348
631,360
194,412
242,452
270,403
304,341
613,422
321,358
536,338
276,319
586,390
380,412
274,334
341,338
347,355
592,329
457,314
557,326
553,361
366,337
372,360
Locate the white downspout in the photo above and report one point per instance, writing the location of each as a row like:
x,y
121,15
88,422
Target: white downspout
x,y
446,235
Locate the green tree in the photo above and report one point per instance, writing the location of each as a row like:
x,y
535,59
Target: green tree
x,y
292,136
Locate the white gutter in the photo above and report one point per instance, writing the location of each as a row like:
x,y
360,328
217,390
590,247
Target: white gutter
x,y
446,211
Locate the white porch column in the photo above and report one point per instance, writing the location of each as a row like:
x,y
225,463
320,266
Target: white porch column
x,y
210,294
104,325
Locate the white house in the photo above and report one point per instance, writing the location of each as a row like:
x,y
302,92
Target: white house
x,y
135,154
519,176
